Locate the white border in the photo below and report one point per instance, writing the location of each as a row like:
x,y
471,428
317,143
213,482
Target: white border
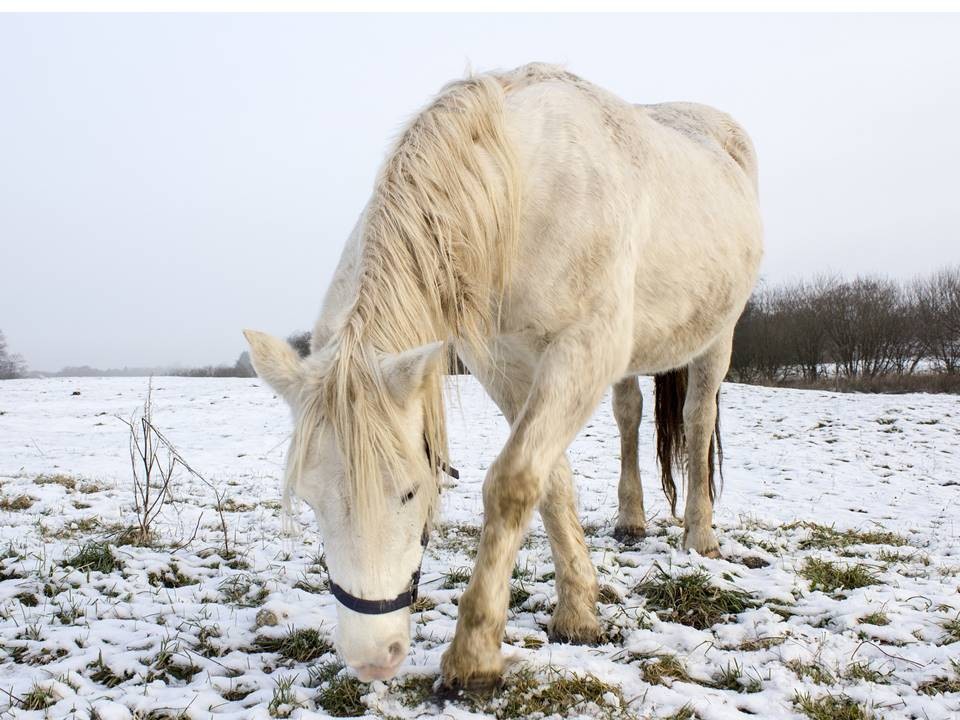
x,y
461,6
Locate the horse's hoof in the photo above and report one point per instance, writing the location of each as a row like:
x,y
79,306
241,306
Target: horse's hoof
x,y
629,534
459,673
483,684
574,629
703,541
579,637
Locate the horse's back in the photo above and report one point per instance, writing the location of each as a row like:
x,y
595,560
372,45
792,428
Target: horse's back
x,y
651,203
703,122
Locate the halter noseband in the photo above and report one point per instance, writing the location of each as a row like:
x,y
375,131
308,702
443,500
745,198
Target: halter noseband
x,y
409,596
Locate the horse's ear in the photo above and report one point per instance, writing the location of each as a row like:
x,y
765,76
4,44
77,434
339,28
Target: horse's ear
x,y
406,373
277,363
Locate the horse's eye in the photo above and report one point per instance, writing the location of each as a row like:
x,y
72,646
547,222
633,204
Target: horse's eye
x,y
408,497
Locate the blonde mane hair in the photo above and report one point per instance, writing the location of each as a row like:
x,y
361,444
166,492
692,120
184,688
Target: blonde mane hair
x,y
436,242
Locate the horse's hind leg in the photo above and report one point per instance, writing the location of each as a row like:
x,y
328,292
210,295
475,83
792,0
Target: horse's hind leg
x,y
627,409
704,376
575,616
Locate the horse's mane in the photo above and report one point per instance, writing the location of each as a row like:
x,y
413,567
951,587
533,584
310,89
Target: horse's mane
x,y
436,241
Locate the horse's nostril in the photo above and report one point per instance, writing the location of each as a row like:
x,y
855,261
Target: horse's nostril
x,y
396,652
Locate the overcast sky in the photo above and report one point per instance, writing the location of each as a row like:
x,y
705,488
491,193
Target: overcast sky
x,y
166,180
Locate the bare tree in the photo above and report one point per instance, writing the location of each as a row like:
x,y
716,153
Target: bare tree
x,y
154,461
937,302
759,351
801,309
11,366
300,341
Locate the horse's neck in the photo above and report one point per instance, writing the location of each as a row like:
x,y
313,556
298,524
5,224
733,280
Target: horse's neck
x,y
340,293
341,297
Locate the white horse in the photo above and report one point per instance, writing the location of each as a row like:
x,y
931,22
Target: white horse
x,y
563,240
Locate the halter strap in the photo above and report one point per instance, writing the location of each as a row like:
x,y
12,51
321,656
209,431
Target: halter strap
x,y
407,597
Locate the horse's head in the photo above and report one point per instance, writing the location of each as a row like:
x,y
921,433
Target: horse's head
x,y
373,513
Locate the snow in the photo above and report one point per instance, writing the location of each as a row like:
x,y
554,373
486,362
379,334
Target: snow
x,y
862,462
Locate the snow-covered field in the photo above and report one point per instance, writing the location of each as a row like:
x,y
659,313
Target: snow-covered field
x,y
180,631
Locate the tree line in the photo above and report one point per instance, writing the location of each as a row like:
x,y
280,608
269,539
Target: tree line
x,y
869,333
865,333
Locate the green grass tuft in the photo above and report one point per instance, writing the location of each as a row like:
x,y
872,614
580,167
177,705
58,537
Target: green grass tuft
x,y
343,697
815,671
284,700
526,694
875,618
827,537
830,707
951,630
456,577
236,589
832,577
664,667
39,698
96,556
863,671
414,690
942,685
732,678
692,599
299,645
102,674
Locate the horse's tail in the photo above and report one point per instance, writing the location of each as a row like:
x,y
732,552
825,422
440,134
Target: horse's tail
x,y
669,392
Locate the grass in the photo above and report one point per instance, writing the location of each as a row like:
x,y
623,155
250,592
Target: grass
x,y
236,590
941,685
832,577
863,671
827,537
20,502
423,604
815,671
95,556
875,618
301,645
830,707
664,667
164,664
323,672
951,630
102,674
171,577
526,694
414,690
342,697
39,698
518,595
684,713
64,481
456,577
284,701
692,598
731,678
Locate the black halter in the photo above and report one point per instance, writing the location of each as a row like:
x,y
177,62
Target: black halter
x,y
409,596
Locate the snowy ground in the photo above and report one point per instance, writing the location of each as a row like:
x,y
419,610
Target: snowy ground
x,y
179,631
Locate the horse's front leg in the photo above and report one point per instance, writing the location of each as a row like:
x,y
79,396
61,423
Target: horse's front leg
x,y
567,388
575,616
